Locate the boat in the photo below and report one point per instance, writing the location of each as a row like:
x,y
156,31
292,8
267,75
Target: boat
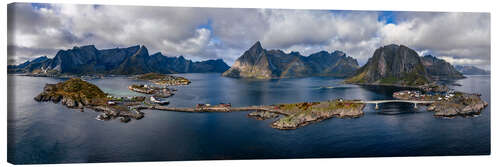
x,y
158,100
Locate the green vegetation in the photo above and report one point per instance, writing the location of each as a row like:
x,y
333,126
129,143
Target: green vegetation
x,y
151,76
302,113
358,78
163,79
77,90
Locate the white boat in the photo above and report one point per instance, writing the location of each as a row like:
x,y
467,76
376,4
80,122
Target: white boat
x,y
158,100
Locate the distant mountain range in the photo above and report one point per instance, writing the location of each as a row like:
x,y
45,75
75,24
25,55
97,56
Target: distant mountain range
x,y
121,61
439,69
389,65
471,70
260,63
401,66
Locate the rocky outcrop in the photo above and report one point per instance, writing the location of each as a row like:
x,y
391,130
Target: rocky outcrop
x,y
302,114
88,60
76,93
439,69
260,63
73,93
461,105
392,65
262,115
471,70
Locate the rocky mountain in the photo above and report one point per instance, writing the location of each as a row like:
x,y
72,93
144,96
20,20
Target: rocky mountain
x,y
438,69
121,61
392,65
471,70
260,63
401,66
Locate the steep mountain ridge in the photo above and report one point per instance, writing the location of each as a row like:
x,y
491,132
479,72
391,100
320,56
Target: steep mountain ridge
x,y
122,61
399,65
260,63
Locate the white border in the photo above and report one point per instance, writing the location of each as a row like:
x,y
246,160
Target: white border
x,y
397,5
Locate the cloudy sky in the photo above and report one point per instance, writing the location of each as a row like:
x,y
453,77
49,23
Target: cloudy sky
x,y
208,33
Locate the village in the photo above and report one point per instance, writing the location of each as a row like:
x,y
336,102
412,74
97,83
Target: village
x,y
418,95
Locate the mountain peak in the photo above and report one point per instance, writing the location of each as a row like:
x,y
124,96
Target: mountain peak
x,y
256,47
85,47
267,64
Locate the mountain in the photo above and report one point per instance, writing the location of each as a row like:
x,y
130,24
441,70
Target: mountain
x,y
399,65
392,65
471,70
438,69
121,61
260,63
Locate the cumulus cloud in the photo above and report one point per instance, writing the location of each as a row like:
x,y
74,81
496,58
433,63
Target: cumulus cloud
x,y
209,33
461,38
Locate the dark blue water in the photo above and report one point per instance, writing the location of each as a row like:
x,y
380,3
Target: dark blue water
x,y
51,133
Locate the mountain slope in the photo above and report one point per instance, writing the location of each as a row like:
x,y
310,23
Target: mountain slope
x,y
471,70
439,69
392,65
399,65
260,63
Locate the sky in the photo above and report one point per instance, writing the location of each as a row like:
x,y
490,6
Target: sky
x,y
211,33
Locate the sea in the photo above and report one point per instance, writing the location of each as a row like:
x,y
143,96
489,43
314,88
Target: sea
x,y
45,132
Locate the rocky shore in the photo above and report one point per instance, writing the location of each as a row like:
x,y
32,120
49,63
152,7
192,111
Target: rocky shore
x,y
462,104
76,93
448,103
262,115
163,79
156,91
302,114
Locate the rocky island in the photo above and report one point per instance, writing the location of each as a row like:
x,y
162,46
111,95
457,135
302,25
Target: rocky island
x,y
301,114
76,93
447,104
163,79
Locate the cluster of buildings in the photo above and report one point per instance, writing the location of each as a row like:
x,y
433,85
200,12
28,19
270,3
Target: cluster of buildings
x,y
417,95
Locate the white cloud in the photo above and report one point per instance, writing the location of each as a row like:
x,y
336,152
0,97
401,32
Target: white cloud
x,y
203,33
461,36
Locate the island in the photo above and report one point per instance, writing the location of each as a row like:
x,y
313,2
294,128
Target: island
x,y
79,94
446,104
163,79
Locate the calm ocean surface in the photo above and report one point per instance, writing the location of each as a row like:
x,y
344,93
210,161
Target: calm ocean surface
x,y
51,133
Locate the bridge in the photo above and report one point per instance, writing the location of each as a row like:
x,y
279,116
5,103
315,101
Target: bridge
x,y
376,102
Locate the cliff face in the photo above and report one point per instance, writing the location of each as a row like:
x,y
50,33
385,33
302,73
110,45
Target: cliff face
x,y
124,61
392,65
471,70
439,69
401,66
260,63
